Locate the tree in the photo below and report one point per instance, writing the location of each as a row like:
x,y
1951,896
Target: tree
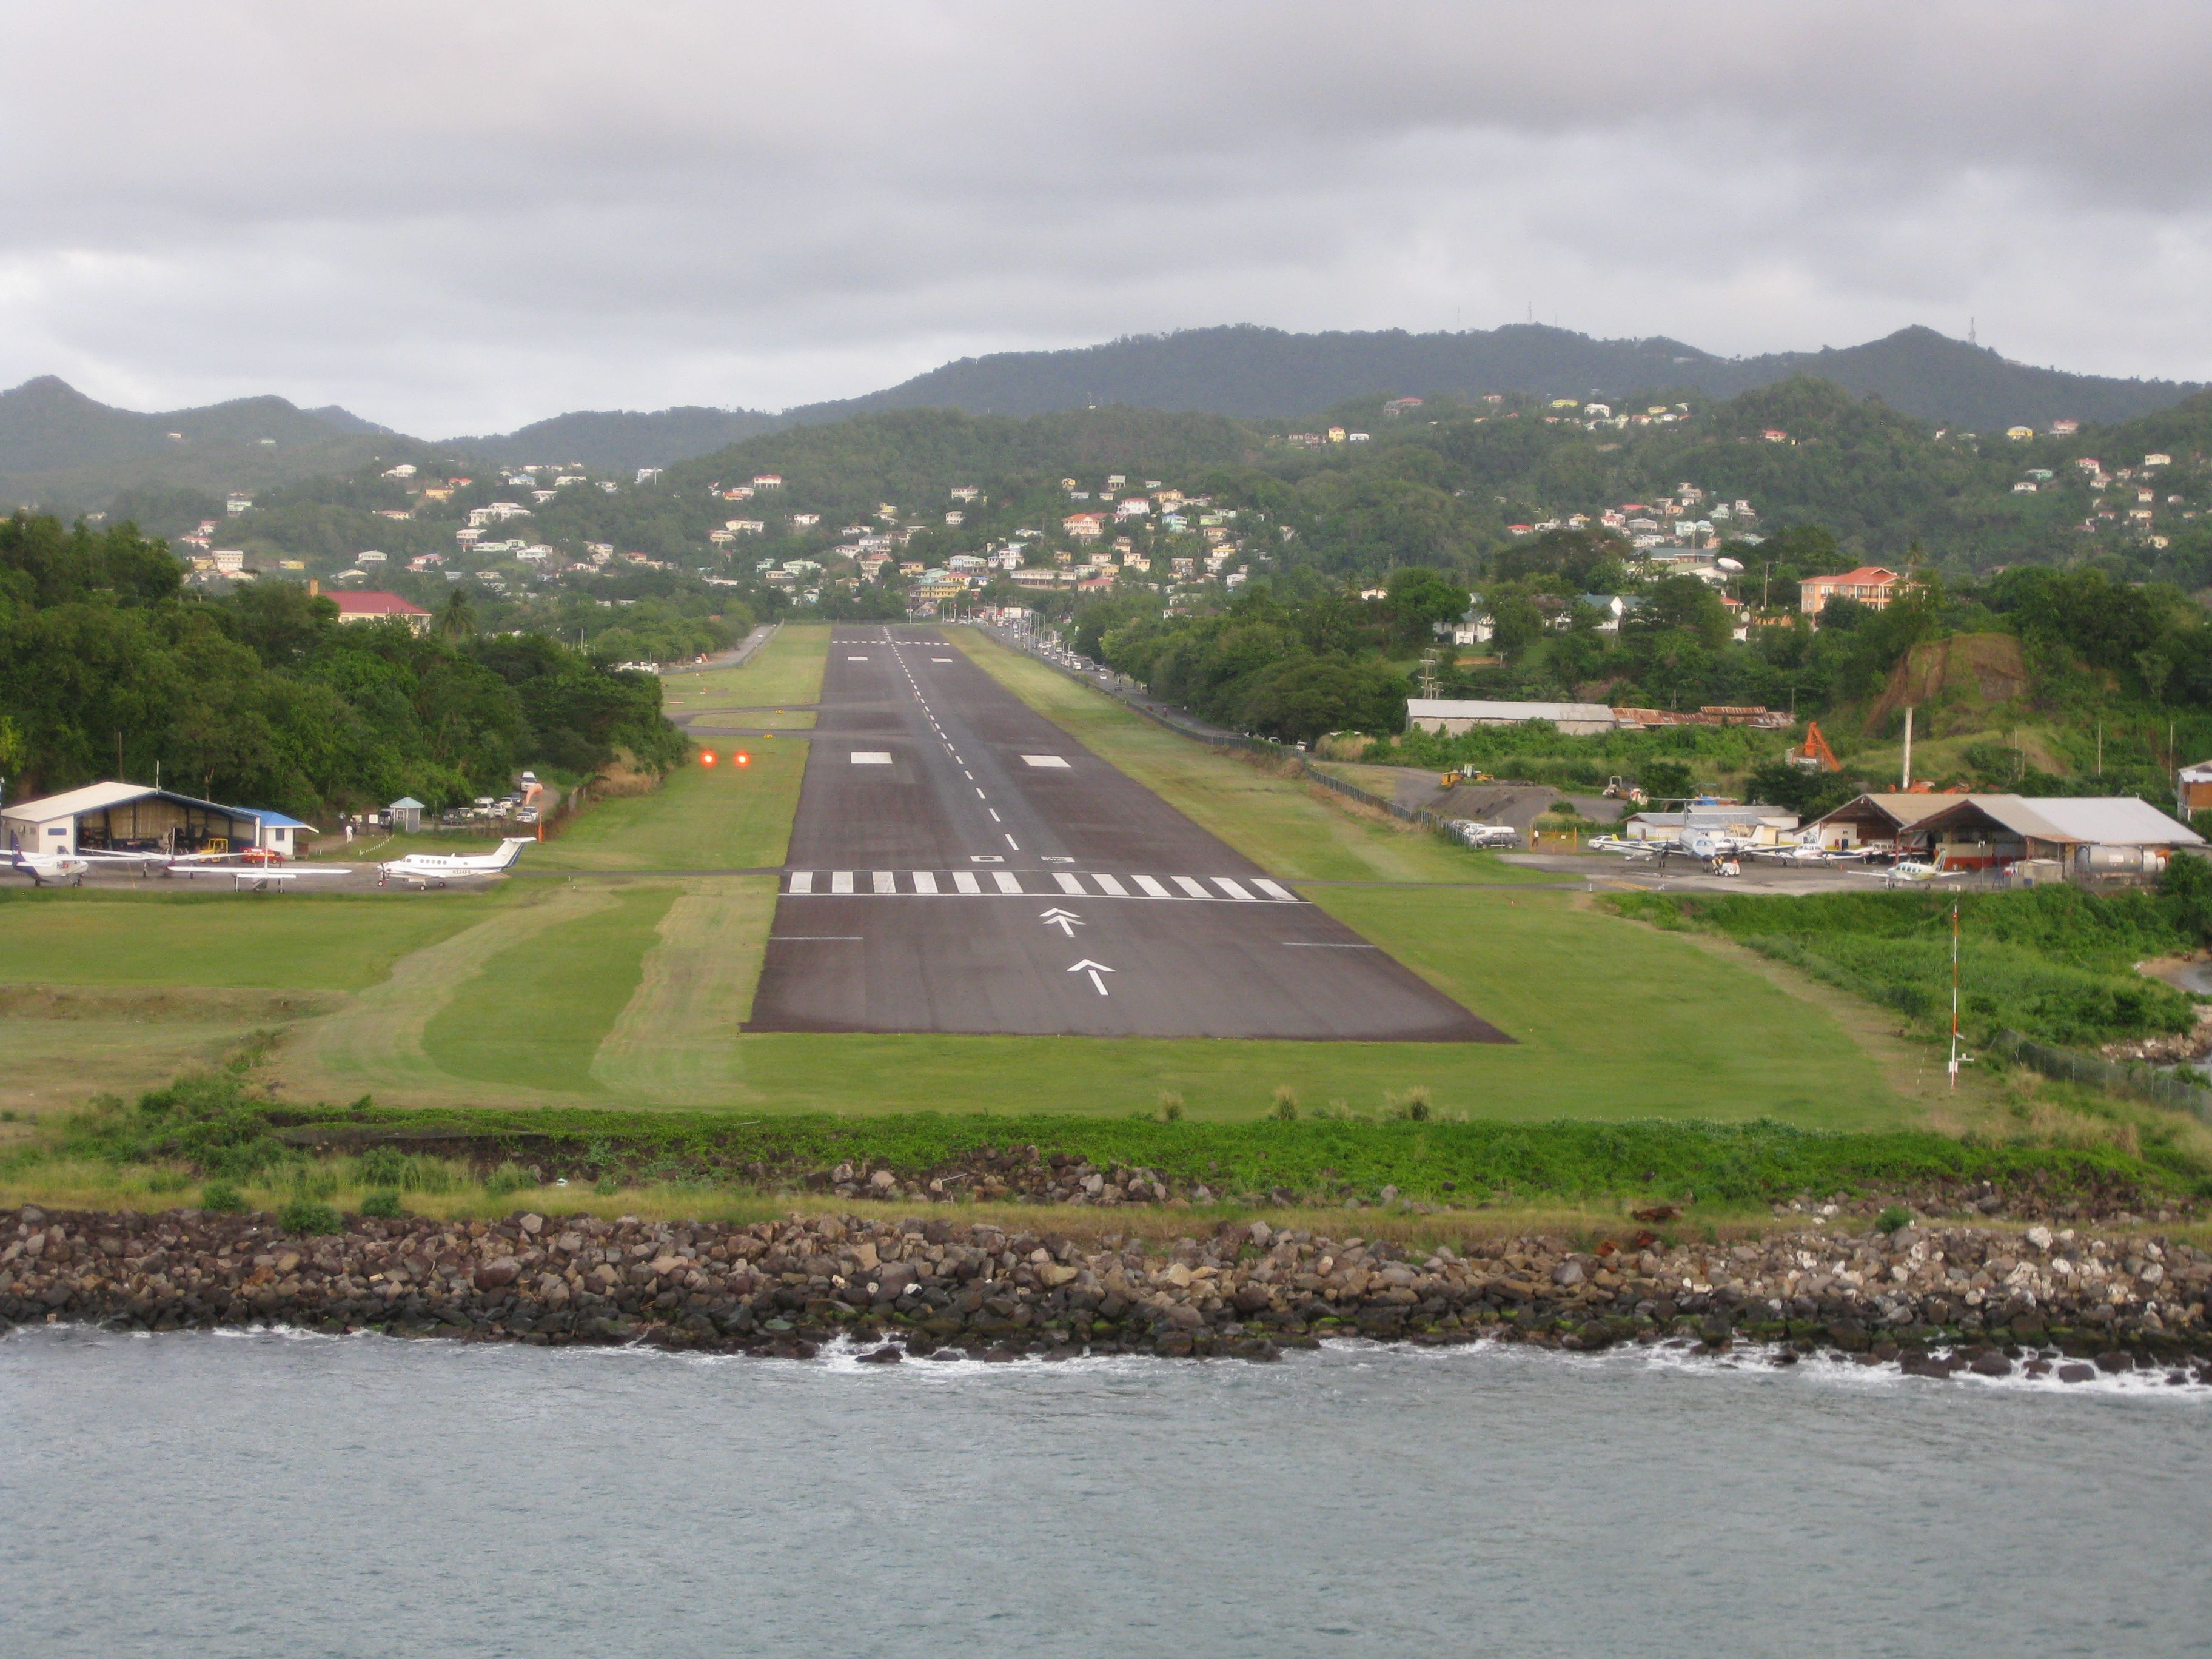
x,y
1420,598
456,617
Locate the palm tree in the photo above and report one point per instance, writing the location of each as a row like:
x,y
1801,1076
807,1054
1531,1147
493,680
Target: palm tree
x,y
458,618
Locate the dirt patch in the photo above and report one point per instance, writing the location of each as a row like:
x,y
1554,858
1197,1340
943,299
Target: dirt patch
x,y
1983,668
621,777
168,1003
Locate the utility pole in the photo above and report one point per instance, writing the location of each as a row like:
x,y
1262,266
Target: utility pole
x,y
1955,994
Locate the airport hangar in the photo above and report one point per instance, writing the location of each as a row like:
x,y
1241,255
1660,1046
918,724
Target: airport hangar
x,y
135,817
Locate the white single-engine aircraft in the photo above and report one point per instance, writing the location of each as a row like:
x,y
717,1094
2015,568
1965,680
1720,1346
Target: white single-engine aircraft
x,y
436,869
260,877
42,867
1907,872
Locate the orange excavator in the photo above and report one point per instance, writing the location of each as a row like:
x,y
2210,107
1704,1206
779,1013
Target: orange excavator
x,y
1813,754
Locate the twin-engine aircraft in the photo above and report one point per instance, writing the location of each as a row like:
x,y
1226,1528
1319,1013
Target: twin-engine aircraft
x,y
436,869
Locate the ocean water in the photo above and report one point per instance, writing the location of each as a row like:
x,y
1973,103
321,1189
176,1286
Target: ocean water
x,y
269,1494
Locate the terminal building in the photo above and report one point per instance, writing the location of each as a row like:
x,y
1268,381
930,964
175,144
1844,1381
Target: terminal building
x,y
134,817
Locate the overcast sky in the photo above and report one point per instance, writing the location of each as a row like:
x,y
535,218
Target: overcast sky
x,y
459,218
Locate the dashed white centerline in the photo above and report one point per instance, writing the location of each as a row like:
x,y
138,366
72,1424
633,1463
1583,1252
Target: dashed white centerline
x,y
1012,842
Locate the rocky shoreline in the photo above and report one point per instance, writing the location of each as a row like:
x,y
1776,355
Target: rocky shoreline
x,y
1934,1299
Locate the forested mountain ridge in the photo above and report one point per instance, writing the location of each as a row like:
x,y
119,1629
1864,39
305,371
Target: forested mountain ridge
x,y
56,444
58,447
622,438
1263,372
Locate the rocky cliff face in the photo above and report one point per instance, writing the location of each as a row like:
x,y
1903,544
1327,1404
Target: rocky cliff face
x,y
1934,1299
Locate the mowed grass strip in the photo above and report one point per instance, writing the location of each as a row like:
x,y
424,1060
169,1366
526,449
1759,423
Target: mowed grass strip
x,y
723,817
786,670
1275,821
223,940
535,1014
676,1040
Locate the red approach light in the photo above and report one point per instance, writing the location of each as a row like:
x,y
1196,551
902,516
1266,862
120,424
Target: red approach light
x,y
706,757
742,759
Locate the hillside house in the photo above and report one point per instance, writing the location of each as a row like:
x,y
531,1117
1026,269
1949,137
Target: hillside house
x,y
1869,584
372,606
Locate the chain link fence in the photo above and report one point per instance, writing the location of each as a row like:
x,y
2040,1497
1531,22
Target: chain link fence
x,y
2160,1088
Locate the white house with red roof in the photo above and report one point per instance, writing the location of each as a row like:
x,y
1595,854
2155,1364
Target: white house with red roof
x,y
1870,585
371,606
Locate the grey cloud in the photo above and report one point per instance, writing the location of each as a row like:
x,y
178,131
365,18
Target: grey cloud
x,y
461,218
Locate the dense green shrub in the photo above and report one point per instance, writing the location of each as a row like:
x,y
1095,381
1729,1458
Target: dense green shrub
x,y
307,1215
383,1204
222,1197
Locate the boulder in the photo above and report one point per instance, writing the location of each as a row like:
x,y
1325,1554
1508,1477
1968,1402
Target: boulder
x,y
498,1274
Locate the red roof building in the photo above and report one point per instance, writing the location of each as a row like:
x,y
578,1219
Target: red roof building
x,y
372,607
1870,585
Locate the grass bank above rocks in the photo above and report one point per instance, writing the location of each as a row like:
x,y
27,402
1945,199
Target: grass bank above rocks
x,y
210,1128
2054,962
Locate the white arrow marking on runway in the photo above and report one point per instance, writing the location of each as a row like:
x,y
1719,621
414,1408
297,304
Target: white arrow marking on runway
x,y
1066,920
1094,969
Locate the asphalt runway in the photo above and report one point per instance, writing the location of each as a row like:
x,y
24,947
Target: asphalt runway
x,y
960,864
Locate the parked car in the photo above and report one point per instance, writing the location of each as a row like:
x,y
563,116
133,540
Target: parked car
x,y
1484,835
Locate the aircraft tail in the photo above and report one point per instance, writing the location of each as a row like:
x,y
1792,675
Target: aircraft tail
x,y
510,848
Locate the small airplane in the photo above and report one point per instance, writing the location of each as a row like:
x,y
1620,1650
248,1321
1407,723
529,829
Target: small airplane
x,y
260,877
1910,872
436,869
1716,852
42,867
1808,852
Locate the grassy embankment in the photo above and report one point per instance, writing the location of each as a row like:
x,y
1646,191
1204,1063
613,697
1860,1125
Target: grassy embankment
x,y
628,994
2053,963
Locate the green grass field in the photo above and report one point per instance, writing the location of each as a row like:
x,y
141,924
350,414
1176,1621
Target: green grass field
x,y
631,992
301,941
536,1013
788,670
722,817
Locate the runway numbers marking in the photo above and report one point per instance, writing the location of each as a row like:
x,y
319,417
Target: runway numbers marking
x,y
1093,968
1066,920
1060,761
870,757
